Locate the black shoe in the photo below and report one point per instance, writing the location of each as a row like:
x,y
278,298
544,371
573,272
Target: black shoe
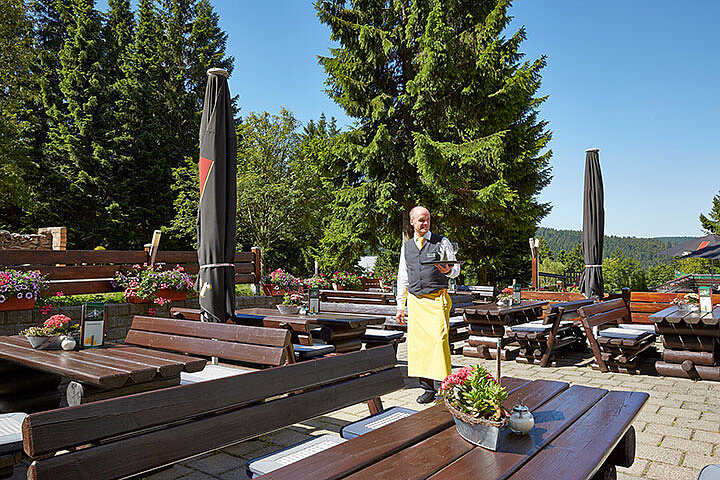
x,y
426,397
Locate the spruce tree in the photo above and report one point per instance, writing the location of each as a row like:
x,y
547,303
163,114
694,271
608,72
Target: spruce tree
x,y
78,131
711,223
447,117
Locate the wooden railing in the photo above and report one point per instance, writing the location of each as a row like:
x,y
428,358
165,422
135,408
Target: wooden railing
x,y
90,271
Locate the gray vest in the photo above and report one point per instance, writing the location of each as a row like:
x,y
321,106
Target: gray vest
x,y
423,279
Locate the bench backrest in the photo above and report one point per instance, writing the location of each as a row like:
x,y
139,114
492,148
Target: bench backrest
x,y
564,310
355,296
644,304
602,313
90,271
128,435
257,345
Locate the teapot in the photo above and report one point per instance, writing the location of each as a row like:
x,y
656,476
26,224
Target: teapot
x,y
521,421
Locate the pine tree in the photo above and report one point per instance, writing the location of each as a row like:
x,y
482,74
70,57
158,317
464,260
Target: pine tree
x,y
447,117
711,223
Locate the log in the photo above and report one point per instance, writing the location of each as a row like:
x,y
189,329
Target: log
x,y
606,472
698,358
688,342
476,341
624,453
665,328
487,330
676,370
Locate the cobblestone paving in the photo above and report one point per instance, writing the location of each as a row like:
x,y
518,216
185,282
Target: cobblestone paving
x,y
678,430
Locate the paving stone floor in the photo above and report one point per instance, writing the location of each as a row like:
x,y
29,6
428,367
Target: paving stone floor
x,y
678,430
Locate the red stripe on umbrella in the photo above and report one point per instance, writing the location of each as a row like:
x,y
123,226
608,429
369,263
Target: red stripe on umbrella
x,y
204,166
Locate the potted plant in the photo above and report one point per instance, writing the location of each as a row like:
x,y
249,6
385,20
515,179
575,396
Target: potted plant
x,y
506,296
20,289
475,400
152,283
319,281
278,282
291,304
57,332
387,279
689,302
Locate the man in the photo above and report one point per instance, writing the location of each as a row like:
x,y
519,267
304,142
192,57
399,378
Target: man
x,y
428,303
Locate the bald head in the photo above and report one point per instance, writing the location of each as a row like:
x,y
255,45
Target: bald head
x,y
420,220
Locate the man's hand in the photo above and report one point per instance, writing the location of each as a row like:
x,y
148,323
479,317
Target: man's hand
x,y
445,268
400,317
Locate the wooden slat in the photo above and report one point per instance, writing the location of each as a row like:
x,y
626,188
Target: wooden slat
x,y
394,439
220,331
71,272
665,328
165,368
61,363
58,429
595,435
653,297
245,278
189,364
480,463
71,257
78,287
200,346
552,296
640,307
133,455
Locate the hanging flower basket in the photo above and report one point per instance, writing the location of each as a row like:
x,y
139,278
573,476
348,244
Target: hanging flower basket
x,y
14,303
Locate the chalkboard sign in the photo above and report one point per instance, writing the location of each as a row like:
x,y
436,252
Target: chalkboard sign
x,y
314,301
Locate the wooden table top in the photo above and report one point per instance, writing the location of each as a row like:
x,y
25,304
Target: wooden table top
x,y
108,367
495,309
329,319
576,428
675,315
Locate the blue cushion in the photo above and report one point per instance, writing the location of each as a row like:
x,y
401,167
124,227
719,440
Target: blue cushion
x,y
273,461
373,422
626,333
11,432
710,472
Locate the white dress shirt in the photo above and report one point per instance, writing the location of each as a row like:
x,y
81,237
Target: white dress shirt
x,y
402,276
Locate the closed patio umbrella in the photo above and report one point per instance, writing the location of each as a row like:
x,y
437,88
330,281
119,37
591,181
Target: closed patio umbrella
x,y
218,199
690,246
591,281
708,251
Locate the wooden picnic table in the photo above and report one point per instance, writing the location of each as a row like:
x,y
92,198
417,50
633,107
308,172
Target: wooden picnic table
x,y
342,331
579,431
29,378
487,324
690,343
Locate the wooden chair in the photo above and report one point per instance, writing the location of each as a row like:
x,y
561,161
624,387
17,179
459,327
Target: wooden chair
x,y
128,435
615,349
542,339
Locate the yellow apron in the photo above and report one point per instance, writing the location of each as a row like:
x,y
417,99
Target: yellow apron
x,y
427,335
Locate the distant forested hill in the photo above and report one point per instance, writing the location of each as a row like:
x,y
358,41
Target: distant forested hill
x,y
643,250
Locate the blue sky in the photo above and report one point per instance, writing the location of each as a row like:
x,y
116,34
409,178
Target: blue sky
x,y
637,79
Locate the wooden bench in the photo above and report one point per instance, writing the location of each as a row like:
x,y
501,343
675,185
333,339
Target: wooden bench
x,y
253,347
615,349
559,329
137,433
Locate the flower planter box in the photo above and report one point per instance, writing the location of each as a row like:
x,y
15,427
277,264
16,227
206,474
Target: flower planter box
x,y
45,343
288,309
478,431
136,299
14,303
173,295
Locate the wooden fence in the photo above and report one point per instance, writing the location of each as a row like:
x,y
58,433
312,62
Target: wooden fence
x,y
90,271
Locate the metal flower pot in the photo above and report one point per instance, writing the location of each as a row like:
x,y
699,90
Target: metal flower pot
x,y
478,431
288,309
45,343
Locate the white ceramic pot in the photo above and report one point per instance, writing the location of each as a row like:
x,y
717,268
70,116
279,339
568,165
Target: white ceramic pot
x,y
68,342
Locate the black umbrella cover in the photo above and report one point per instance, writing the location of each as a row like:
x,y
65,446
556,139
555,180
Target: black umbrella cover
x,y
692,245
591,281
218,202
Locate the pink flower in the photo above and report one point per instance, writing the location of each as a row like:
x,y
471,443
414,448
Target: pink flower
x,y
59,293
151,311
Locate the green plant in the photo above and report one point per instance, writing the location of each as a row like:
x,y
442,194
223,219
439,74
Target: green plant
x,y
348,280
296,299
472,390
144,281
319,281
55,325
20,284
282,281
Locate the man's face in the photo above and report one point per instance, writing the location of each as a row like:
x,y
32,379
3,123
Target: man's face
x,y
421,222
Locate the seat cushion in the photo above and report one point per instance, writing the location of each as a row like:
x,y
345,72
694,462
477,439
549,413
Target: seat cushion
x,y
377,335
268,463
537,326
211,372
310,351
375,421
456,322
11,432
626,333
